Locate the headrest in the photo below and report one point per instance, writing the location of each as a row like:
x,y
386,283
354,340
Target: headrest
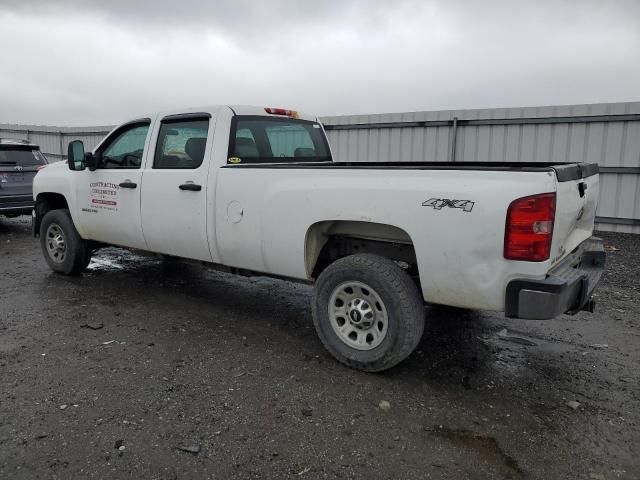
x,y
246,147
304,152
195,149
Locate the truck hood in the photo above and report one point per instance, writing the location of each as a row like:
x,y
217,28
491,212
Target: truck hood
x,y
53,166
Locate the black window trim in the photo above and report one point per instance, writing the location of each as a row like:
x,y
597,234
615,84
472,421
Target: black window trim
x,y
180,118
232,140
185,116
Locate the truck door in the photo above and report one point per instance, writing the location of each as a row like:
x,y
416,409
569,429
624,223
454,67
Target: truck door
x,y
174,187
108,199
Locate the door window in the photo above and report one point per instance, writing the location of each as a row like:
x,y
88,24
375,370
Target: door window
x,y
126,148
181,144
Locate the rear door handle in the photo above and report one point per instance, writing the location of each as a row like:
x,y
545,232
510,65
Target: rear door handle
x,y
191,187
128,184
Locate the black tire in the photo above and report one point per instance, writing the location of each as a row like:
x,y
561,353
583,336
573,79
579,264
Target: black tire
x,y
401,299
88,255
76,252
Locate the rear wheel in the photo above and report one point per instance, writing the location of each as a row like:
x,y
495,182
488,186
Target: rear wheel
x,y
63,249
368,312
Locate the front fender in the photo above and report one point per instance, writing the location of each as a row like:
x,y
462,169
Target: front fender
x,y
53,187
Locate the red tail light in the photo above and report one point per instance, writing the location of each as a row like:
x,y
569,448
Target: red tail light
x,y
529,228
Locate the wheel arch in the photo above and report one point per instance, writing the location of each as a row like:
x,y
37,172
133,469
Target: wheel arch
x,y
45,202
329,240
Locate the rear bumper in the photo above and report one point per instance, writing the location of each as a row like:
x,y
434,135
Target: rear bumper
x,y
568,287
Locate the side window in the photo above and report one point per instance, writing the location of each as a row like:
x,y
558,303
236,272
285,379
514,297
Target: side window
x,y
126,149
181,144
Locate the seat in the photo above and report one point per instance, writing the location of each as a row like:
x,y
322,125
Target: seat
x,y
167,161
195,149
246,147
304,152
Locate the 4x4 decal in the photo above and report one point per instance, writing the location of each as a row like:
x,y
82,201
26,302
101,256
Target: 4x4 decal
x,y
439,203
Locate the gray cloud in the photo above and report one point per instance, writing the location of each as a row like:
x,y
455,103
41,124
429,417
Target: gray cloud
x,y
96,62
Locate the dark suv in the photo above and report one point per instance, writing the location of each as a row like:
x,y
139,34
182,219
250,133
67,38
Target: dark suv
x,y
19,163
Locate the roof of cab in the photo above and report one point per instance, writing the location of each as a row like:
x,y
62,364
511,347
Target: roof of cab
x,y
210,109
252,110
236,109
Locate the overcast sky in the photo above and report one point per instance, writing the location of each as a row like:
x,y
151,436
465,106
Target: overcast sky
x,y
86,62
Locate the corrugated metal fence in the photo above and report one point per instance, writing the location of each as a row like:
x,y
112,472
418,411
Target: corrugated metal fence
x,y
608,134
53,141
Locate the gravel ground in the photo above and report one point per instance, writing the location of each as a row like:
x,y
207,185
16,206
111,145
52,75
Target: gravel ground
x,y
153,356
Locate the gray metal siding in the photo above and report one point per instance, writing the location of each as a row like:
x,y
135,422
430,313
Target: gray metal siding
x,y
615,145
611,144
53,141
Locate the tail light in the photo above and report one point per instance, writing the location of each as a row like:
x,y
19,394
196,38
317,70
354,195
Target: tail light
x,y
40,167
529,228
281,111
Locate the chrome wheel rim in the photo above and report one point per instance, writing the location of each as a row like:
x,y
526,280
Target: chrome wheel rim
x,y
56,244
358,315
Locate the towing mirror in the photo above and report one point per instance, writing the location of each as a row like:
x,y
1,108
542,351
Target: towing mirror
x,y
75,155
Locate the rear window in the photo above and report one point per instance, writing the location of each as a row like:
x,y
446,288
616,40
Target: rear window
x,y
21,157
259,139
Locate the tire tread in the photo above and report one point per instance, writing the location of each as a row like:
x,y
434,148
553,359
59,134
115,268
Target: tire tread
x,y
77,254
409,300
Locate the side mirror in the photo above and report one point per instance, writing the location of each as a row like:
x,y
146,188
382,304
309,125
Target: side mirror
x,y
75,155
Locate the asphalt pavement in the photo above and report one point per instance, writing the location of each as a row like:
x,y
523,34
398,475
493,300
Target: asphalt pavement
x,y
156,369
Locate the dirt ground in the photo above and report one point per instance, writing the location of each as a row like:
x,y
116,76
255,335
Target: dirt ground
x,y
155,356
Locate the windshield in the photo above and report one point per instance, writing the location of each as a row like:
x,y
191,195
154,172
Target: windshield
x,y
260,139
21,157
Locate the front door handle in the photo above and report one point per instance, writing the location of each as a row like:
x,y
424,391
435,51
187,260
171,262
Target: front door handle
x,y
128,184
191,187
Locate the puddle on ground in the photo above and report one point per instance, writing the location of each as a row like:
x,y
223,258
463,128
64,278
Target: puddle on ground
x,y
487,448
114,259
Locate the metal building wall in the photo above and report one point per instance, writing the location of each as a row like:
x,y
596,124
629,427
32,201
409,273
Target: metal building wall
x,y
608,134
53,141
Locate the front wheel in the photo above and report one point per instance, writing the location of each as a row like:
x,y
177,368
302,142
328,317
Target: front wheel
x,y
63,248
368,312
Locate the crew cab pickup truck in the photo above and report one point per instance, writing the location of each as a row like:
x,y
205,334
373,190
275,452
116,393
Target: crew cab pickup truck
x,y
255,191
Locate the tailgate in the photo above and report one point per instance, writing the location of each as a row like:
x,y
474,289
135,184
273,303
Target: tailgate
x,y
18,167
576,203
16,182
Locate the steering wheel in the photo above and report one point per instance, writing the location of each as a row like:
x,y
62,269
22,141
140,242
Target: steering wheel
x,y
107,159
130,160
133,159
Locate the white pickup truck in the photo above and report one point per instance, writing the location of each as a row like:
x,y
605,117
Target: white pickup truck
x,y
255,191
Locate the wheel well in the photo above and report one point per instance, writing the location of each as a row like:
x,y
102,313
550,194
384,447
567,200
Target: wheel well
x,y
46,202
328,241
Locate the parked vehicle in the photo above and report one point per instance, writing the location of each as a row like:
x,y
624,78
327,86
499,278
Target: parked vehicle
x,y
255,191
19,163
